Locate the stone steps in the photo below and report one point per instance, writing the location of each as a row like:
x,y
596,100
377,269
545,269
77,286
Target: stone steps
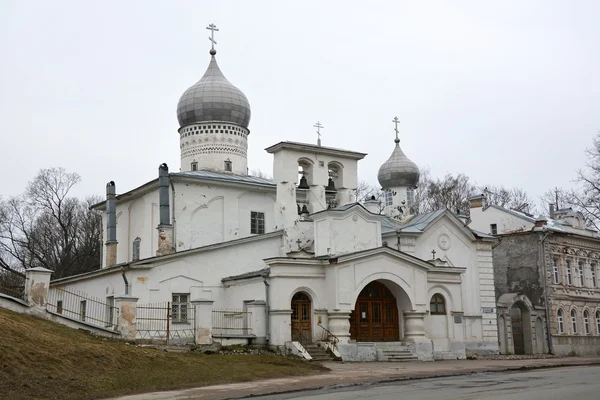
x,y
318,353
399,356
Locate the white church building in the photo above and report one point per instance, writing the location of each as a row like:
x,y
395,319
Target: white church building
x,y
297,250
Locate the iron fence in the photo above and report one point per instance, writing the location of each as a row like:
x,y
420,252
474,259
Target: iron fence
x,y
166,322
231,322
79,305
12,284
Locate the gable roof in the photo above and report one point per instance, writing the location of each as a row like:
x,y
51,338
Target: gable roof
x,y
355,155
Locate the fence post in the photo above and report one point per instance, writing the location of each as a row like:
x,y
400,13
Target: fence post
x,y
257,321
203,321
37,284
127,323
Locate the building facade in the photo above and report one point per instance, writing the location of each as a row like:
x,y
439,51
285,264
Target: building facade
x,y
546,280
298,249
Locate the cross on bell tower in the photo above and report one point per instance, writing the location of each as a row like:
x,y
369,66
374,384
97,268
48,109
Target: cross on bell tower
x,y
396,121
212,28
318,126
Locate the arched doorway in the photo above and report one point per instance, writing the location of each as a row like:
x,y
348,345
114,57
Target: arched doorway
x,y
301,318
520,320
375,316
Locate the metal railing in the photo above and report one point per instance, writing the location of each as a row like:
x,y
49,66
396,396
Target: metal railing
x,y
231,322
79,305
12,284
165,322
327,336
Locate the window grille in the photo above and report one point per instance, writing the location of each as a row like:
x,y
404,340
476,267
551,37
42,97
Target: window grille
x,y
257,222
410,196
179,307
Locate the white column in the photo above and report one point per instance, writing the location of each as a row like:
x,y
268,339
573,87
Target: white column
x,y
258,320
203,321
127,323
37,284
414,325
339,325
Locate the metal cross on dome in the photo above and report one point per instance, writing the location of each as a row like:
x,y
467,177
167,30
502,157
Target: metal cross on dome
x,y
212,28
396,121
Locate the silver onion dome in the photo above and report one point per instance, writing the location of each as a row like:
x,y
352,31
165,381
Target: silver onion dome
x,y
398,170
213,98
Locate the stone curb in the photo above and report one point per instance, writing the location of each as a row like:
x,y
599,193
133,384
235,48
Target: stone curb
x,y
424,375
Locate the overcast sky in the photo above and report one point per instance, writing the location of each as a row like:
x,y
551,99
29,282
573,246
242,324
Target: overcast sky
x,y
507,93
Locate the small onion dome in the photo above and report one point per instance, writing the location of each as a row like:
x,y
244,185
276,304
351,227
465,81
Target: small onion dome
x,y
398,171
213,98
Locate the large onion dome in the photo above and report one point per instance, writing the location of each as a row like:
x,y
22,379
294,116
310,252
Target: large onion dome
x,y
213,98
398,170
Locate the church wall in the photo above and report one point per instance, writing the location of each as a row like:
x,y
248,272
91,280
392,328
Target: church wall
x,y
211,213
481,219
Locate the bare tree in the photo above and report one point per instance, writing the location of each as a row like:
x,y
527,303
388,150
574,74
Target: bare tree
x,y
259,174
514,199
587,198
48,228
450,192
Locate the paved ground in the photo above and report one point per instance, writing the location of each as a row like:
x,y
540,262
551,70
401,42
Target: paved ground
x,y
571,383
347,374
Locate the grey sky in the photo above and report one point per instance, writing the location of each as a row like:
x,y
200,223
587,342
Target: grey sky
x,y
508,93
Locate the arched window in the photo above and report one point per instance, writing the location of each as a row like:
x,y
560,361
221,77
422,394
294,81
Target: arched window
x,y
586,322
437,305
597,322
135,253
580,274
561,322
573,322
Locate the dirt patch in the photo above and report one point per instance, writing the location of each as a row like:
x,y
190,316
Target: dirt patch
x,y
40,359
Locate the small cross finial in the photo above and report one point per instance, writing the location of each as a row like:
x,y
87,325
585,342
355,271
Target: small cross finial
x,y
433,254
318,126
396,121
212,28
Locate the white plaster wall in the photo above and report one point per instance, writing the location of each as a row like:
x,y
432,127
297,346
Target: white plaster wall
x,y
481,219
339,233
208,213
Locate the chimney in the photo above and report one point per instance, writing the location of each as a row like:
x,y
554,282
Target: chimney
x,y
552,210
165,228
477,201
372,205
540,222
111,224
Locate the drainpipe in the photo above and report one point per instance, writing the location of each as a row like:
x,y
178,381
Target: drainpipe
x,y
267,322
548,313
125,280
173,215
398,244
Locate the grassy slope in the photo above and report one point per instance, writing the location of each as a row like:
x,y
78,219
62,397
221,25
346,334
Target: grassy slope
x,y
43,360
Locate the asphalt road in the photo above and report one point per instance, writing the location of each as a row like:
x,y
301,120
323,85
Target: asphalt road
x,y
571,383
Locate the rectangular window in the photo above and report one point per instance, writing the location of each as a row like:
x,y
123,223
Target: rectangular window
x,y
580,274
228,166
82,309
410,196
110,311
194,166
569,277
594,283
179,307
257,222
135,250
555,276
59,307
493,229
389,197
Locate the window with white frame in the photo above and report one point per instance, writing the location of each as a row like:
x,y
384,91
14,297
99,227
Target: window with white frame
x,y
593,268
179,307
597,322
555,276
580,274
569,277
257,222
389,197
494,229
573,322
410,196
586,322
561,321
135,249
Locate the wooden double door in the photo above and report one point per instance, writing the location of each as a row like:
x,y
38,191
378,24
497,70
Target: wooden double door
x,y
375,316
301,318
